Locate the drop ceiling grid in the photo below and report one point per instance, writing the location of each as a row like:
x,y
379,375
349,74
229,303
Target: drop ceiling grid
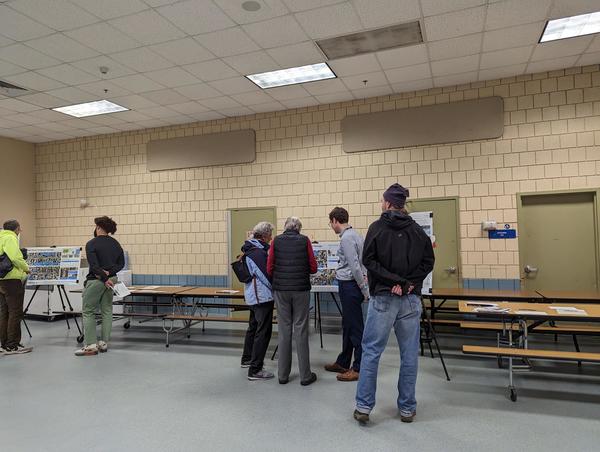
x,y
59,59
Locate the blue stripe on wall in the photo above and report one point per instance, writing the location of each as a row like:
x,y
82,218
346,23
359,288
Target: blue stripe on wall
x,y
502,284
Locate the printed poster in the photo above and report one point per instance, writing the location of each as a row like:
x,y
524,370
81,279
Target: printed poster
x,y
327,262
425,220
54,266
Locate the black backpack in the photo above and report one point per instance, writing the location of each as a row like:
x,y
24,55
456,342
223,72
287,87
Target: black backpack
x,y
6,265
240,268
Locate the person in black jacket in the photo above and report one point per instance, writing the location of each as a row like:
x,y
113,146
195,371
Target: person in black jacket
x,y
398,256
106,258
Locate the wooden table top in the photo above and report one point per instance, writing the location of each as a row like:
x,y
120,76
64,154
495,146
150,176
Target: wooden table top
x,y
571,295
214,292
535,310
158,290
484,294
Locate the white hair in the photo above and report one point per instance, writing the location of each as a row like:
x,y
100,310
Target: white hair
x,y
293,224
262,230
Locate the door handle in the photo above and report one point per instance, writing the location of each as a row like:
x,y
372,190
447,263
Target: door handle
x,y
529,269
450,270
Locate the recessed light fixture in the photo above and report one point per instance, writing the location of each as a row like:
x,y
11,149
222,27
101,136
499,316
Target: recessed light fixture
x,y
569,27
251,6
293,75
99,107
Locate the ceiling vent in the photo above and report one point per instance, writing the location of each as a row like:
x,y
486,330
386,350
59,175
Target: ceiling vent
x,y
10,90
372,41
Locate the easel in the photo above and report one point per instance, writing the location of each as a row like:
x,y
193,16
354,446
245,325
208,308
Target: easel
x,y
61,291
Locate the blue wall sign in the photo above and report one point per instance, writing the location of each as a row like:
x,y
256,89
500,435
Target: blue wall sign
x,y
503,234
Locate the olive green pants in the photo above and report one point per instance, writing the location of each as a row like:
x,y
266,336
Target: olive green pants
x,y
97,294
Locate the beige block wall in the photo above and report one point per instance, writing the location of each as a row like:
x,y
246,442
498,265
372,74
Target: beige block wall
x,y
17,186
174,222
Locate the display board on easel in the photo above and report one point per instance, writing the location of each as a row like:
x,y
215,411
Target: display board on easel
x,y
326,255
425,220
54,266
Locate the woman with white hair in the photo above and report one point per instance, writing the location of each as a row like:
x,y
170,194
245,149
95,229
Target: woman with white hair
x,y
290,264
259,298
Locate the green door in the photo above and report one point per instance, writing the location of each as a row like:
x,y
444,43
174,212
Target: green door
x,y
446,272
557,241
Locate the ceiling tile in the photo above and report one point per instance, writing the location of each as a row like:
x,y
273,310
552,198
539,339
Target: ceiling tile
x,y
103,88
325,87
373,79
408,73
6,124
506,38
588,59
207,116
455,79
182,51
137,83
72,95
20,27
196,16
253,62
565,8
236,111
235,85
267,107
4,41
26,57
142,59
198,92
172,77
109,9
454,24
133,102
595,45
508,13
300,102
26,118
129,116
58,14
276,32
46,115
217,103
330,21
358,64
435,7
303,5
403,56
414,85
375,91
564,47
334,97
188,108
211,70
232,41
92,66
253,98
268,10
148,27
104,38
33,81
56,126
297,54
282,93
157,112
43,100
68,74
502,72
551,64
455,47
506,57
166,97
377,13
62,47
455,65
7,68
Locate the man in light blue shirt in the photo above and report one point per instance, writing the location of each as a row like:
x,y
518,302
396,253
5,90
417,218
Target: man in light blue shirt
x,y
353,291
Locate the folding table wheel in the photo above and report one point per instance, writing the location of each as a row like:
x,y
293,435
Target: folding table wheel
x,y
127,324
80,339
513,394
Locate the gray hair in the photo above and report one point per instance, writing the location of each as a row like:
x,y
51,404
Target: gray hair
x,y
293,224
11,225
262,230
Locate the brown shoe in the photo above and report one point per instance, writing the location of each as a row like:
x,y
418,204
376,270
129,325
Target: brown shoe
x,y
350,375
335,367
409,418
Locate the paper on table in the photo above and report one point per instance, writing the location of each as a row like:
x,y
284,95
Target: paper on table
x,y
227,291
148,288
529,312
479,303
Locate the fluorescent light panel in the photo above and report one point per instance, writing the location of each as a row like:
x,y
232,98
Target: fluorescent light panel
x,y
293,75
569,27
99,107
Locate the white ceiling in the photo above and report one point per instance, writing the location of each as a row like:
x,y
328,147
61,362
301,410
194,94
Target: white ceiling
x,y
179,61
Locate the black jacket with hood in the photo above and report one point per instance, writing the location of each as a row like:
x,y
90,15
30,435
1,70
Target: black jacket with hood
x,y
397,251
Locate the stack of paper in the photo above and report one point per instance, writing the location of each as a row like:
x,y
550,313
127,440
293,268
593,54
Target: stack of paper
x,y
568,310
491,309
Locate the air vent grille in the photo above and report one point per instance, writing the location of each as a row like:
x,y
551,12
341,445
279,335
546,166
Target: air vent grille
x,y
10,90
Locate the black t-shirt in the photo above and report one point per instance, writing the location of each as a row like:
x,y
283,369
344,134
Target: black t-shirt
x,y
104,253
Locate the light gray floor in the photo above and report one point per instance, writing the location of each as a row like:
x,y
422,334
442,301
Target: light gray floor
x,y
194,396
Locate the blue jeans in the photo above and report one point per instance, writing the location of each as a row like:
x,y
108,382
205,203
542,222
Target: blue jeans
x,y
404,314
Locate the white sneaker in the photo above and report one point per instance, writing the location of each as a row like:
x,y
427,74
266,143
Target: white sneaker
x,y
22,349
102,347
88,350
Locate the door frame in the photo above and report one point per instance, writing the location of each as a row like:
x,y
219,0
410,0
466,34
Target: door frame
x,y
229,245
456,200
596,205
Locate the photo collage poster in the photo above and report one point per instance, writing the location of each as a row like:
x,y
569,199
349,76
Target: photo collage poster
x,y
425,220
54,266
327,262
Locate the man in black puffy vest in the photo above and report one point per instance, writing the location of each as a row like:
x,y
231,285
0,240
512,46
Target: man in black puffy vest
x,y
290,263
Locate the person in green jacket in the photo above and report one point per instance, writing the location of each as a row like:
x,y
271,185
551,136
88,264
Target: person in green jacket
x,y
12,291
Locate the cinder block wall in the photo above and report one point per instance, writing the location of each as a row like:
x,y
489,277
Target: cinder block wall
x,y
174,222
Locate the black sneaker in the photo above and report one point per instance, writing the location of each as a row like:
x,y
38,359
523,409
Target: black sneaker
x,y
311,380
361,418
261,375
245,364
284,382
